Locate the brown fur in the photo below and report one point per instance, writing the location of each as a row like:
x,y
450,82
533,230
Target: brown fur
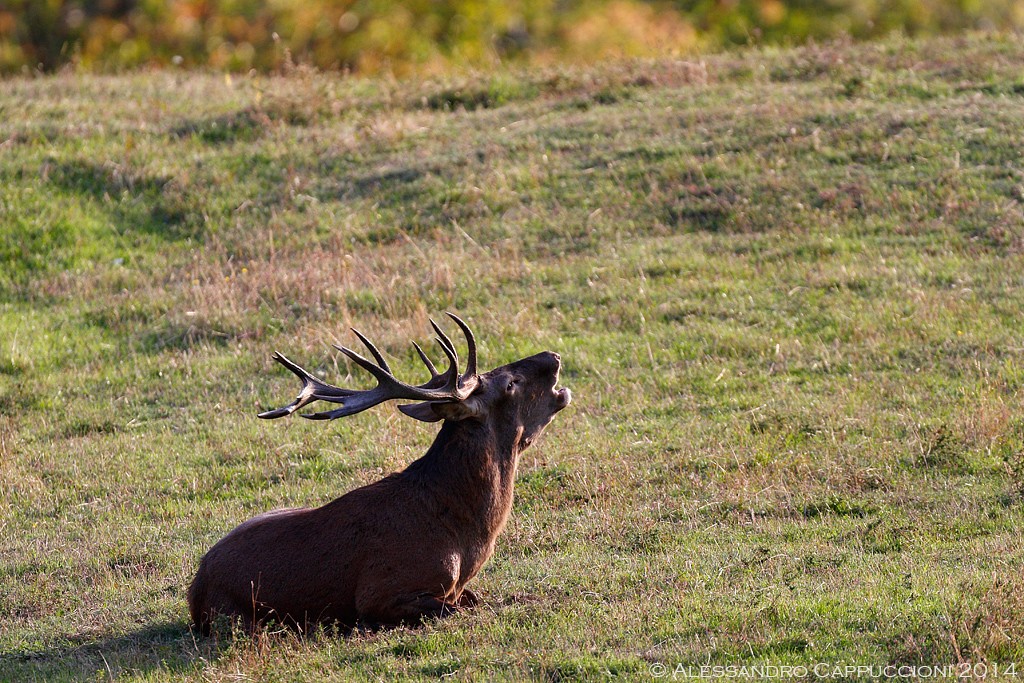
x,y
402,548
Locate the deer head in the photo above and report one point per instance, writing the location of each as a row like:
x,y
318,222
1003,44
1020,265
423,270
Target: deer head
x,y
519,398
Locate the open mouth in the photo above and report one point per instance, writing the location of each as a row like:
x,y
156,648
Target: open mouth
x,y
563,396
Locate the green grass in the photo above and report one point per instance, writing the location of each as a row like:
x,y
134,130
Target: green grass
x,y
787,287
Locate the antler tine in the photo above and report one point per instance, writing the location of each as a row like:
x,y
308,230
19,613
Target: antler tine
x,y
313,389
439,379
451,375
373,349
470,345
426,361
382,374
449,349
444,341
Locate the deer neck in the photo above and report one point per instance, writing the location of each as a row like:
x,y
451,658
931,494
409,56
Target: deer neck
x,y
471,470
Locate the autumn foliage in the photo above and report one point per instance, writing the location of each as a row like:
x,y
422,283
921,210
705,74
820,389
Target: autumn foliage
x,y
427,35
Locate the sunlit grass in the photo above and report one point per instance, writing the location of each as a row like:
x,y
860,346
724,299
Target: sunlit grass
x,y
786,286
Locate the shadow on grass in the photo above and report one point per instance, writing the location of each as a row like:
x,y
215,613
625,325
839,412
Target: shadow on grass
x,y
176,336
134,199
243,125
170,647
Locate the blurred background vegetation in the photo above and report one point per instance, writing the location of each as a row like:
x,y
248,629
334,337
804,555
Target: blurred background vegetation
x,y
373,36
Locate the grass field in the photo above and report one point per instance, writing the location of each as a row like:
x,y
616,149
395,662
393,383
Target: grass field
x,y
787,286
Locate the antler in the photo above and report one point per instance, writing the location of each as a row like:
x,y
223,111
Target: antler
x,y
448,386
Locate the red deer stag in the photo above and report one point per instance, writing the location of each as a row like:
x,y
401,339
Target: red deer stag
x,y
403,548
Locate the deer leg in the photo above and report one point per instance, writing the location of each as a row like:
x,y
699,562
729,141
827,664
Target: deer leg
x,y
468,599
411,608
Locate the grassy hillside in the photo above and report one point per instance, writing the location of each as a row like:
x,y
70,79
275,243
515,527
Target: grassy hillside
x,y
787,287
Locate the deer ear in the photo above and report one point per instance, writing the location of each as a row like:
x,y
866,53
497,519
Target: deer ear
x,y
432,411
424,412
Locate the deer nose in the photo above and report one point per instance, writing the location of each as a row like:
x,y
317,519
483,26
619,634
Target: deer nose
x,y
545,362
